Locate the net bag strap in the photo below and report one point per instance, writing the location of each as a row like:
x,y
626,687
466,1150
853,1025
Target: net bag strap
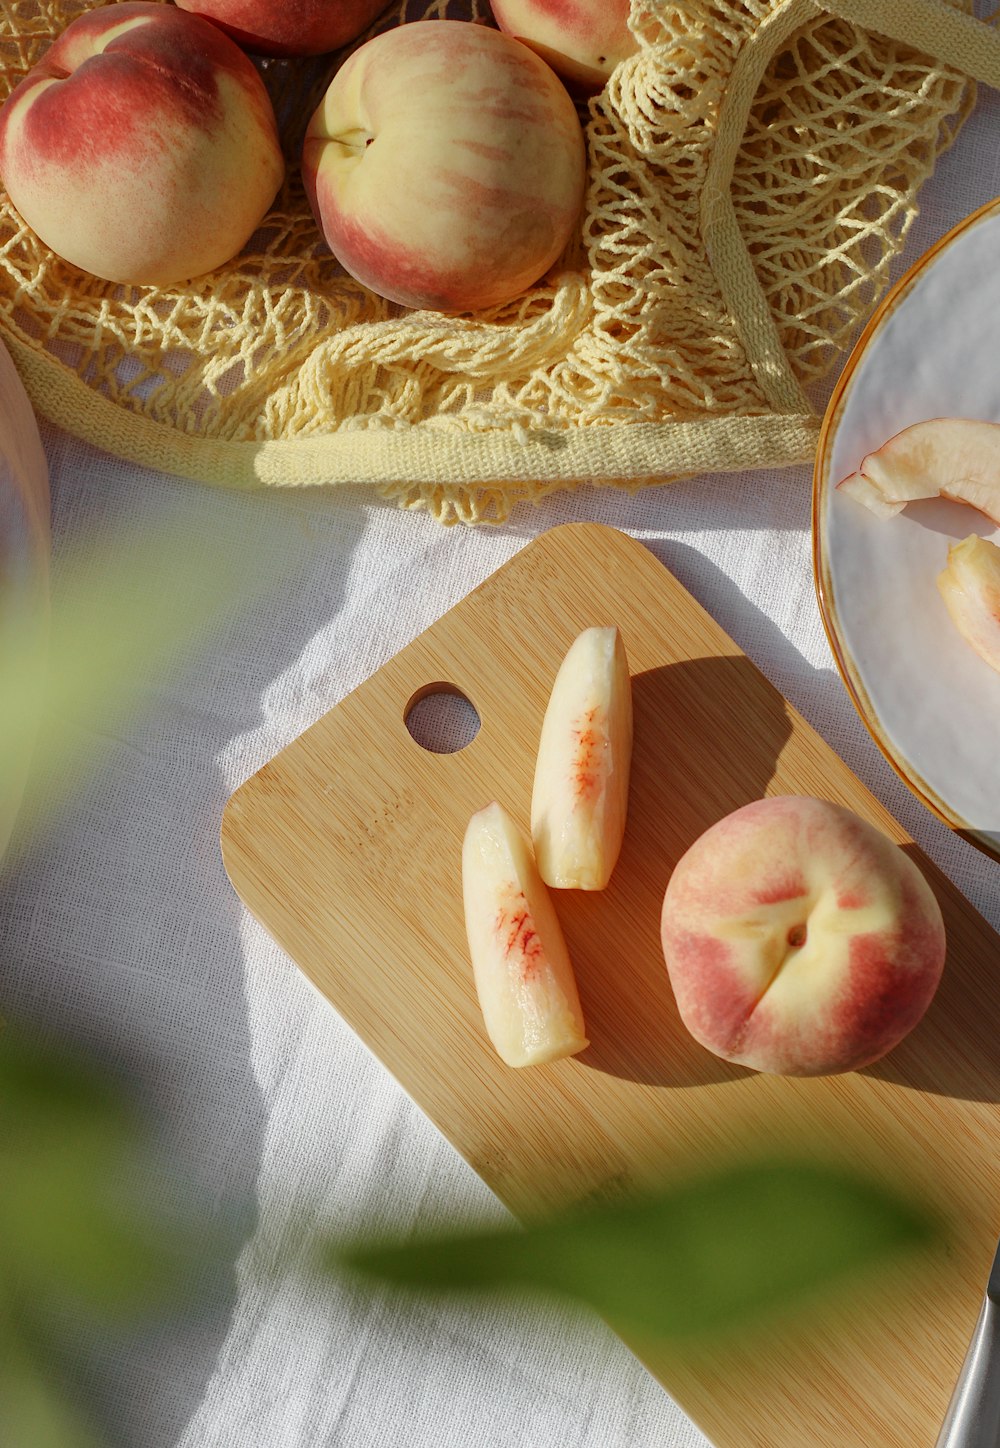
x,y
956,39
728,257
951,36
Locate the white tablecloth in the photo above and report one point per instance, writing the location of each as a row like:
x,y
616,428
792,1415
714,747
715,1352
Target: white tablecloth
x,y
120,929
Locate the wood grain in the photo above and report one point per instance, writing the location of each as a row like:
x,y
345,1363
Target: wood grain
x,y
347,848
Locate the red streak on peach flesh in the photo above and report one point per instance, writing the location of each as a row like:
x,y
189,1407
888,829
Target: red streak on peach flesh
x,y
586,765
515,926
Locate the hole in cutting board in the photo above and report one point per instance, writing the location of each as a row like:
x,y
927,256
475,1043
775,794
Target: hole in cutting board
x,y
441,719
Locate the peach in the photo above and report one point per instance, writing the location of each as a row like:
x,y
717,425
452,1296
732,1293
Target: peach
x,y
281,27
445,166
143,146
799,939
580,795
524,978
945,457
970,588
582,40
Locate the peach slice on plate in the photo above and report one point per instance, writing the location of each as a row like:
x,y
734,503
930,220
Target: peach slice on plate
x,y
970,587
945,457
799,939
524,978
580,796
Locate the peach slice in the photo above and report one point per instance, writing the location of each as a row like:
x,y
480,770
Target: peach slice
x,y
946,457
970,587
524,978
580,796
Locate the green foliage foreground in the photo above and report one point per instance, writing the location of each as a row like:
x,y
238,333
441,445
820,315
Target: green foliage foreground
x,y
706,1256
703,1257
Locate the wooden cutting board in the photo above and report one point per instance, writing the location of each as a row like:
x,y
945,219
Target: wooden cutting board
x,y
347,848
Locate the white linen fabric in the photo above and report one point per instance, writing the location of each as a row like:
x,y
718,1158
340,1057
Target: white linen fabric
x,y
119,929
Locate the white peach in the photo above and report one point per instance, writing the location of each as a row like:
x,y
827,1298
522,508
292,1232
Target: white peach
x,y
524,978
289,27
580,797
445,166
799,939
945,457
582,40
970,588
143,146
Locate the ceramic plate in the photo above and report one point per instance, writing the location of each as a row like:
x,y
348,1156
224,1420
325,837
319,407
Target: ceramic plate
x,y
932,706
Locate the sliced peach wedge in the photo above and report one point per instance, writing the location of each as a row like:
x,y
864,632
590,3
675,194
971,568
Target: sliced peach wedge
x,y
580,796
524,978
970,587
945,457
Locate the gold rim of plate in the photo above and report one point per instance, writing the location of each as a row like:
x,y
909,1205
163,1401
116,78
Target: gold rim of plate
x,y
822,573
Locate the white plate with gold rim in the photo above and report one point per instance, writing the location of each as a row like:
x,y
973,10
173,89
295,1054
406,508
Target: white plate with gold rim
x,y
931,704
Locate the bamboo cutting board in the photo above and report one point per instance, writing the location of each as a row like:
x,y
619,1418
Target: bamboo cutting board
x,y
347,848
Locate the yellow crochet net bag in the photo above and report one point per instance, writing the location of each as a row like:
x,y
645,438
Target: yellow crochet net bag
x,y
753,169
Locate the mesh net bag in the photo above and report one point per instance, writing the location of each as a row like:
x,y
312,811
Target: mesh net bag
x,y
752,171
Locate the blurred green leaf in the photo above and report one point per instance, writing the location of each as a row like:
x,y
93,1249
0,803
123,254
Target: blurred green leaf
x,y
74,1239
698,1259
35,1413
71,1234
703,1257
125,607
43,1088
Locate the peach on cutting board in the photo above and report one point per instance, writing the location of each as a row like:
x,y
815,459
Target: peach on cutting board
x,y
445,166
289,27
799,939
143,146
944,457
582,40
524,978
580,796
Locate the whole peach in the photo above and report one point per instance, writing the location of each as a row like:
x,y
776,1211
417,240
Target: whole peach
x,y
289,27
445,166
582,40
142,147
799,939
